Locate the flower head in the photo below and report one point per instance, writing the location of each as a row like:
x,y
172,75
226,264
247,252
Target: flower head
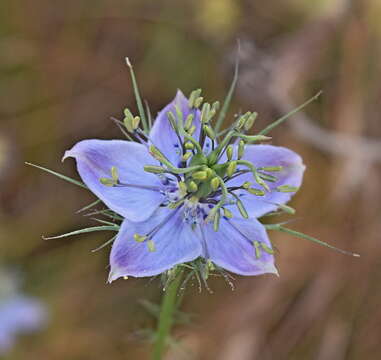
x,y
185,195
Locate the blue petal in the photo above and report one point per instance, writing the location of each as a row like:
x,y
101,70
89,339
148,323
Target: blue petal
x,y
162,134
269,155
175,243
232,247
19,314
95,159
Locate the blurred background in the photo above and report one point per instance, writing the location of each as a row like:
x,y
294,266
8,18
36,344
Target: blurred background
x,y
62,75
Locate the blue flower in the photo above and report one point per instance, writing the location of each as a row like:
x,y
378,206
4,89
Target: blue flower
x,y
183,196
18,313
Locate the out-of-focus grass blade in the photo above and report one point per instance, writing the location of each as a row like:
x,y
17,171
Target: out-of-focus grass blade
x,y
61,176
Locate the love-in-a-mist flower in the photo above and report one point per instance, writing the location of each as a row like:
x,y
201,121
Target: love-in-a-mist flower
x,y
183,195
18,313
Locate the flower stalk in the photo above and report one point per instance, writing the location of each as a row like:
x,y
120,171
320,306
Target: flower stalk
x,y
168,308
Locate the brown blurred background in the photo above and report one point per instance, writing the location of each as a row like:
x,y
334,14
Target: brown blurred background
x,y
62,75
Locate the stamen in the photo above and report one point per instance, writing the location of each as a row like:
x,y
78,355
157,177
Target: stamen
x,y
287,188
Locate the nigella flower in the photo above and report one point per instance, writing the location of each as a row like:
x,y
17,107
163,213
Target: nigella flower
x,y
184,196
18,313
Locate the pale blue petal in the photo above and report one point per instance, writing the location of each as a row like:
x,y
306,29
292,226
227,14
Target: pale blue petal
x,y
164,137
269,155
94,161
175,243
19,314
232,247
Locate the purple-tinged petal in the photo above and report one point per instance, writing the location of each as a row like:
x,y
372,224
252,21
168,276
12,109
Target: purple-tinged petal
x,y
19,314
162,134
233,249
264,156
174,241
95,158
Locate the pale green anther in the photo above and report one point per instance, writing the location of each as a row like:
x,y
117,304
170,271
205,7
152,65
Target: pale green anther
x,y
257,247
287,188
172,121
256,192
139,238
267,248
216,106
211,265
253,138
287,209
192,186
229,152
231,168
205,113
216,220
209,131
250,121
215,183
182,187
154,169
241,148
200,175
198,102
135,122
242,120
175,205
227,213
156,153
260,181
209,173
180,118
246,184
192,130
189,146
242,209
268,177
271,168
193,96
188,122
128,120
151,246
186,156
114,173
107,182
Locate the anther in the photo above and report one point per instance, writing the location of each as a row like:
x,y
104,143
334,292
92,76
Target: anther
x,y
257,249
154,169
186,156
192,186
139,238
209,131
231,168
287,188
151,246
241,148
227,213
250,121
200,175
229,152
215,183
255,191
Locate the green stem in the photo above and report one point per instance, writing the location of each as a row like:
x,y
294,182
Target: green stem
x,y
168,308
